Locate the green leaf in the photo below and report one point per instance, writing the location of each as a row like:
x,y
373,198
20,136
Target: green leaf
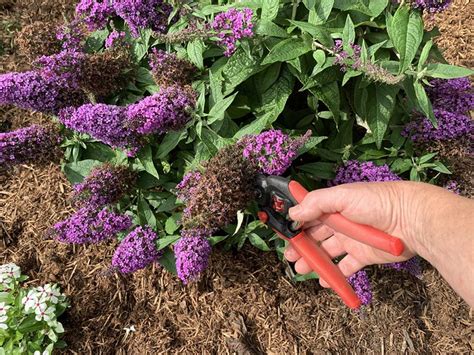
x,y
77,171
318,33
145,156
400,166
162,243
169,142
96,40
406,32
144,76
286,50
195,50
424,54
270,9
329,95
310,4
168,261
348,34
379,107
141,45
306,277
424,102
239,68
145,214
427,157
265,79
218,110
268,28
319,170
258,242
441,168
171,224
372,8
446,71
321,12
273,102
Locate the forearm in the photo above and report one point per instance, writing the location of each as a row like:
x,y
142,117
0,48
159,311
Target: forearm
x,y
446,238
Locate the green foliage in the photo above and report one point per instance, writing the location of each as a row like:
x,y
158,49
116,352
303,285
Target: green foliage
x,y
28,316
285,77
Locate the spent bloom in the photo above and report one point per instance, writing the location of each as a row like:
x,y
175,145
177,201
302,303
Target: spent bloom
x,y
192,253
95,13
33,91
187,187
169,109
37,39
430,6
139,14
88,225
29,144
136,251
169,70
106,123
454,95
105,185
232,26
451,125
361,284
71,36
272,151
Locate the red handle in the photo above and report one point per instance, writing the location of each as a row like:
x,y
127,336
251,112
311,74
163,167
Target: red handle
x,y
320,262
360,232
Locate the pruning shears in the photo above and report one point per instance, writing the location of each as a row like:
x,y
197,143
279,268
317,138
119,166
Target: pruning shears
x,y
276,195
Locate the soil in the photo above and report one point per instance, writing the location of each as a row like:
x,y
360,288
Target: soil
x,y
245,303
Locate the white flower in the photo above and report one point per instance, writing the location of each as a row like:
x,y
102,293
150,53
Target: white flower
x,y
37,352
9,272
3,319
41,292
30,300
3,308
43,312
52,292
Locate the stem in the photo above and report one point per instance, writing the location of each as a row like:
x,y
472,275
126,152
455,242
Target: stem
x,y
296,3
320,46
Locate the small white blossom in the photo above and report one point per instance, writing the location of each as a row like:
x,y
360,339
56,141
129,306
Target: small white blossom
x,y
30,301
42,292
43,312
3,308
3,319
52,293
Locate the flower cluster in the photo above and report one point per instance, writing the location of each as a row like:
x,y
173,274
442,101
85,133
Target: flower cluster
x,y
114,39
29,144
72,36
356,171
38,39
95,13
454,95
361,284
430,6
136,251
105,185
33,91
42,300
143,14
63,68
232,26
192,253
451,125
187,187
169,70
411,266
88,225
272,151
168,110
9,275
106,123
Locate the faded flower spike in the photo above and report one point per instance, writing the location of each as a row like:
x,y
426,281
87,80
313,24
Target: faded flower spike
x,y
136,251
169,70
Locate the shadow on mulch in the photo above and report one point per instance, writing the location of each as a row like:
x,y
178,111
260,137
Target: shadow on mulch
x,y
244,304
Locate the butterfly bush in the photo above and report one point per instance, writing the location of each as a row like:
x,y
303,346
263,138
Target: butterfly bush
x,y
169,70
29,144
136,251
192,253
89,225
105,185
95,13
273,151
455,95
115,38
232,26
361,284
453,186
431,6
411,266
187,187
356,171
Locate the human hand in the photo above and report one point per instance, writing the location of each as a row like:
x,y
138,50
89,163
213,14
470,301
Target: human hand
x,y
393,207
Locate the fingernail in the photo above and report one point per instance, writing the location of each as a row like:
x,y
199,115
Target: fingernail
x,y
295,211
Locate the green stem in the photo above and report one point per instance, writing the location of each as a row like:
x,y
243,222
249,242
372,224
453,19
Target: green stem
x,y
296,3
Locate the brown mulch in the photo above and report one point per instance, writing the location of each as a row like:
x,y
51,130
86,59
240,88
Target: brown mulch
x,y
245,303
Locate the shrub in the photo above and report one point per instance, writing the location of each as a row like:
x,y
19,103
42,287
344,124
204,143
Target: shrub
x,y
326,92
29,316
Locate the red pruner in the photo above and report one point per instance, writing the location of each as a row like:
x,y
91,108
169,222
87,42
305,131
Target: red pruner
x,y
275,196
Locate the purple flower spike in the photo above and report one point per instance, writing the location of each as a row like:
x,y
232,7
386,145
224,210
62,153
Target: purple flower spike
x,y
454,95
136,251
273,151
431,6
106,123
139,14
356,171
89,226
412,266
186,188
361,284
192,253
232,26
95,13
114,39
168,110
27,144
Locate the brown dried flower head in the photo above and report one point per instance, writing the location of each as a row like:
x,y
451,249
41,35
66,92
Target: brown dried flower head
x,y
38,39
